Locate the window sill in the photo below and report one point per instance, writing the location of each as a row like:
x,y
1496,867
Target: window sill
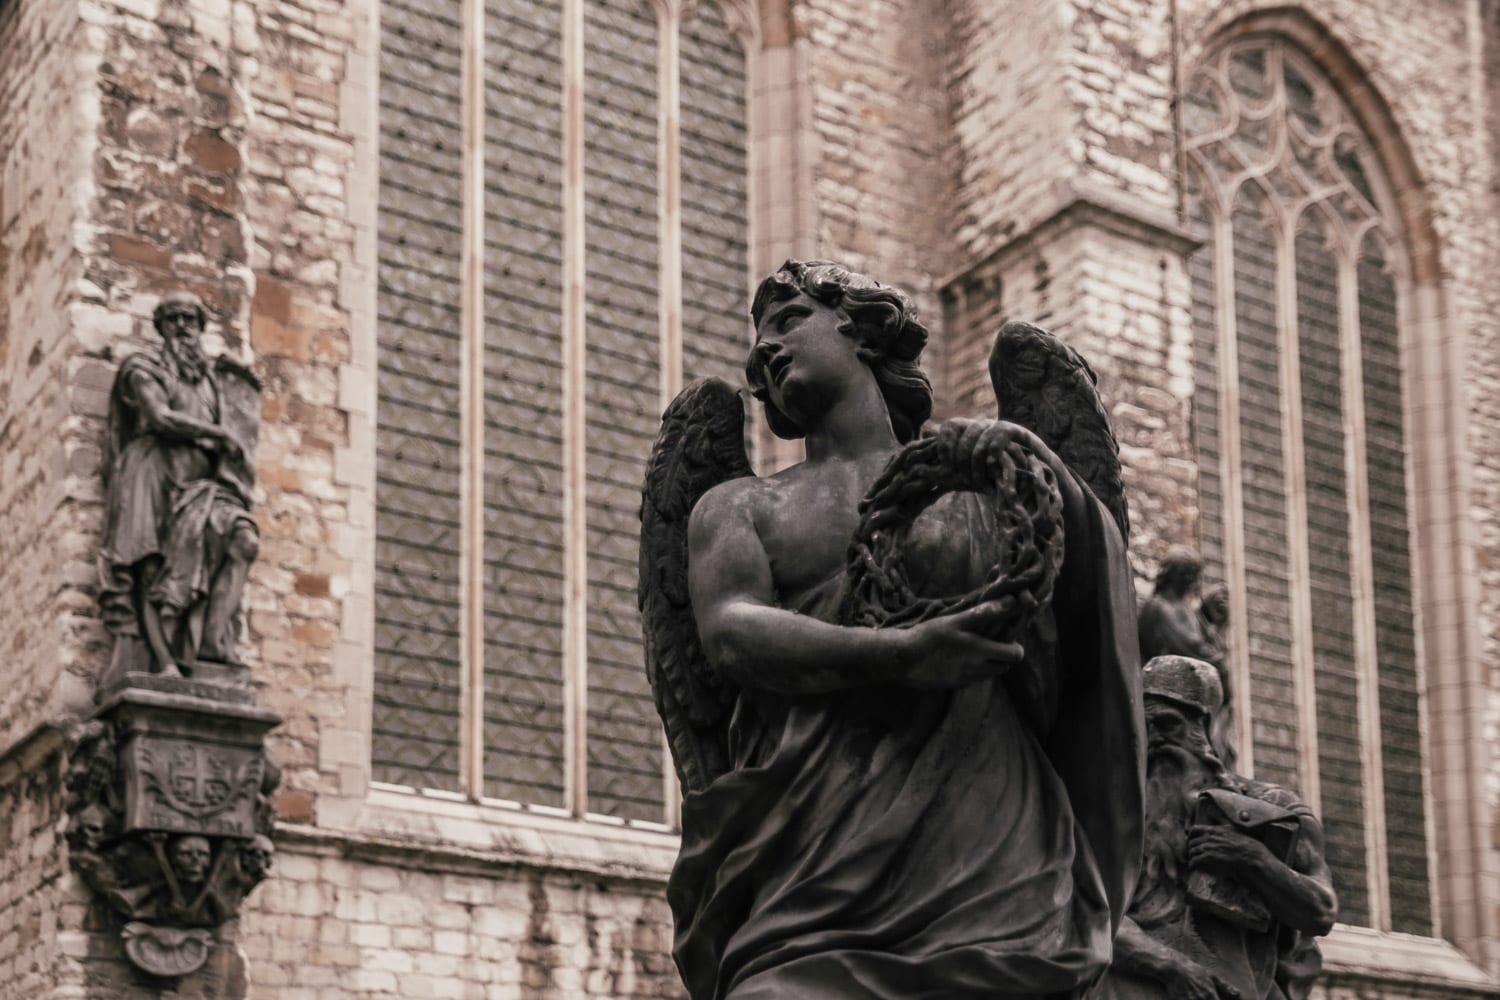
x,y
1359,953
413,829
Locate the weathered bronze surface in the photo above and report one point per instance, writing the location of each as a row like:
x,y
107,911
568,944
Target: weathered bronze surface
x,y
900,679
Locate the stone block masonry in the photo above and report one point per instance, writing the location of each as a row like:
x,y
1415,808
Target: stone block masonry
x,y
345,920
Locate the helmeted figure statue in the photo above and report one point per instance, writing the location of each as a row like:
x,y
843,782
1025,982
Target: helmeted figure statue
x,y
178,535
1235,888
899,679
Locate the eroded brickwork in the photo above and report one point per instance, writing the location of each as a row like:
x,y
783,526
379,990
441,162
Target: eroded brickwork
x,y
49,318
880,114
32,870
412,924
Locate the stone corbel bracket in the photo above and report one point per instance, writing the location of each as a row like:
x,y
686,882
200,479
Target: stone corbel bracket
x,y
170,816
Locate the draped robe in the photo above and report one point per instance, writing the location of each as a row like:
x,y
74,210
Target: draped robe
x,y
165,499
896,843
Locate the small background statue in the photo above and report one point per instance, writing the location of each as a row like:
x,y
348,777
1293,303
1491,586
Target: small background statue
x,y
1174,621
178,536
1235,887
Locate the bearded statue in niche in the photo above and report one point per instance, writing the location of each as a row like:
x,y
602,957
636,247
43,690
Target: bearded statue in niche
x,y
178,536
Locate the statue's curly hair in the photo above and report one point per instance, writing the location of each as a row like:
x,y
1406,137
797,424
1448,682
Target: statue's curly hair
x,y
880,318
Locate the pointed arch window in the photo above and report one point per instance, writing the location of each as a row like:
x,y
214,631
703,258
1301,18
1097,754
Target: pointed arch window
x,y
546,166
1300,431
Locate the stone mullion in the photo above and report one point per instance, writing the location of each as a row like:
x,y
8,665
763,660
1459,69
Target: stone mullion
x,y
575,499
1230,476
471,409
1362,587
669,15
1299,572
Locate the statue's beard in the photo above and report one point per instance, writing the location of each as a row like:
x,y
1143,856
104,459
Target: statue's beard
x,y
190,366
1175,774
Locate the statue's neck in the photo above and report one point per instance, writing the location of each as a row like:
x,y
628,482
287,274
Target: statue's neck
x,y
856,426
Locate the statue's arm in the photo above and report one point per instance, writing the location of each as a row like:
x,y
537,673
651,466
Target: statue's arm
x,y
159,418
1299,895
763,647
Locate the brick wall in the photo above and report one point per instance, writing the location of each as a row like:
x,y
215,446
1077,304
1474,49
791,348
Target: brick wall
x,y
396,921
51,330
33,867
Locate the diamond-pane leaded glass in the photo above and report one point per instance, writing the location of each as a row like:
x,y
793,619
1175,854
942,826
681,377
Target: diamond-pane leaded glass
x,y
625,775
523,526
1395,638
715,316
1336,678
429,261
414,739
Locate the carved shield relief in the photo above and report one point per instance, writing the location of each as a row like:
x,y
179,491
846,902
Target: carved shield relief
x,y
178,786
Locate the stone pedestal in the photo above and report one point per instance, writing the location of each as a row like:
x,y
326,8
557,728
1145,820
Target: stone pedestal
x,y
170,815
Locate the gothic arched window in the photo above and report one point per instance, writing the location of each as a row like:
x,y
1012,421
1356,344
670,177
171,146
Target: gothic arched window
x,y
1300,431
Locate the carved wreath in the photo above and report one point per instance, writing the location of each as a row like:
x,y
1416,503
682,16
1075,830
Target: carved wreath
x,y
977,456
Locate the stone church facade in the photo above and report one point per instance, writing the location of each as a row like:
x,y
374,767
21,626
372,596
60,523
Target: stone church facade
x,y
471,245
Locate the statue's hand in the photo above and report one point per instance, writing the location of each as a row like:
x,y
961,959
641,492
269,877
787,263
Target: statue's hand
x,y
228,446
1187,980
956,650
1225,848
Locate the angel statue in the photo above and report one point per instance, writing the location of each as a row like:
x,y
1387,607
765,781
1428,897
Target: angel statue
x,y
900,679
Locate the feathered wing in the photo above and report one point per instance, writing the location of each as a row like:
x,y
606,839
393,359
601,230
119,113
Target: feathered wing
x,y
1092,684
1048,388
701,444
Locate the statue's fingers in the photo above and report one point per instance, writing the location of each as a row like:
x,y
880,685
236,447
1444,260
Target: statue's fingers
x,y
1007,652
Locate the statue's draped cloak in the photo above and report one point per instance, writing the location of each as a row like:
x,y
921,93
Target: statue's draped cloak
x,y
908,844
164,498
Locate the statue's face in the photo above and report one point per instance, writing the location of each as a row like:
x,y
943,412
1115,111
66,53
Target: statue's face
x,y
180,331
256,858
806,361
190,857
91,829
1171,724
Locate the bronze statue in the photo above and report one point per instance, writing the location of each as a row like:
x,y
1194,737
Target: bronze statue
x,y
1172,621
178,536
1175,622
874,667
1235,888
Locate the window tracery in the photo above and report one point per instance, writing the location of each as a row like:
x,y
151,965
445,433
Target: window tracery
x,y
1299,427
